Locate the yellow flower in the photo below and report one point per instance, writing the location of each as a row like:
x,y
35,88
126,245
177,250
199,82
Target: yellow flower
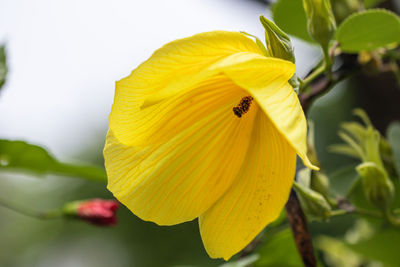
x,y
207,127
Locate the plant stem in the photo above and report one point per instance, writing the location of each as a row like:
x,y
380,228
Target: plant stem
x,y
306,81
327,61
338,213
50,214
319,87
298,223
294,212
370,213
359,211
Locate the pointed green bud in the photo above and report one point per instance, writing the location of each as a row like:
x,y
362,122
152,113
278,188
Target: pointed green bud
x,y
320,183
320,20
278,42
364,142
313,203
378,187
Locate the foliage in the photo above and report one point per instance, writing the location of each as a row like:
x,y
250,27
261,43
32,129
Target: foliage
x,y
354,34
3,66
19,155
289,15
393,134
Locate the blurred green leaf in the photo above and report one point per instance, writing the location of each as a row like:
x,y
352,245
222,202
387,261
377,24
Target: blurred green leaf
x,y
383,246
358,198
378,188
344,149
368,30
279,250
246,261
337,253
3,66
372,3
19,155
393,134
342,179
379,246
396,200
290,16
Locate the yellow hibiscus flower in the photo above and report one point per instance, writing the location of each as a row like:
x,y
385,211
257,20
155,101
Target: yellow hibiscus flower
x,y
208,128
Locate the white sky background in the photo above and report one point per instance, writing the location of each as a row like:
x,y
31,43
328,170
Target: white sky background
x,y
64,57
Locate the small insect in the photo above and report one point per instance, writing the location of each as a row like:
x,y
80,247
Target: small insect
x,y
243,106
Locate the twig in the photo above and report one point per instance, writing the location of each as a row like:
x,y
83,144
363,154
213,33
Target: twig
x,y
51,214
318,87
323,84
298,223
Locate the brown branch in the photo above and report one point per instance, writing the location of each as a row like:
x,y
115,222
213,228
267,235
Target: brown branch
x,y
298,223
294,213
321,85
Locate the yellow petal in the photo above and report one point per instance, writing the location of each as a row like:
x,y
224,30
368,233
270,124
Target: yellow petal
x,y
266,80
160,122
171,69
177,180
257,195
142,127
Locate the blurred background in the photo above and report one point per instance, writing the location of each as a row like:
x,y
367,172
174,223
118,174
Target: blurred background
x,y
64,58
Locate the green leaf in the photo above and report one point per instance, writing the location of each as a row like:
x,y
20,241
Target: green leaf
x,y
19,155
382,246
342,179
279,250
3,66
358,198
368,30
344,150
337,253
246,261
393,134
290,16
372,3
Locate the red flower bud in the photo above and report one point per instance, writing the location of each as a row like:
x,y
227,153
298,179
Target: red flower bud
x,y
95,211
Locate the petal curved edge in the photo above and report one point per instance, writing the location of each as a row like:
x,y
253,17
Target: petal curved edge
x,y
180,179
282,106
172,68
256,197
267,81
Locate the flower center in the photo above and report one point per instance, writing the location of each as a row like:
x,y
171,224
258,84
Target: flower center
x,y
243,106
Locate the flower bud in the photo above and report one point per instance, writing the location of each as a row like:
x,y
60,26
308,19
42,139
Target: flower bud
x,y
95,211
321,22
320,183
378,187
313,203
278,42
